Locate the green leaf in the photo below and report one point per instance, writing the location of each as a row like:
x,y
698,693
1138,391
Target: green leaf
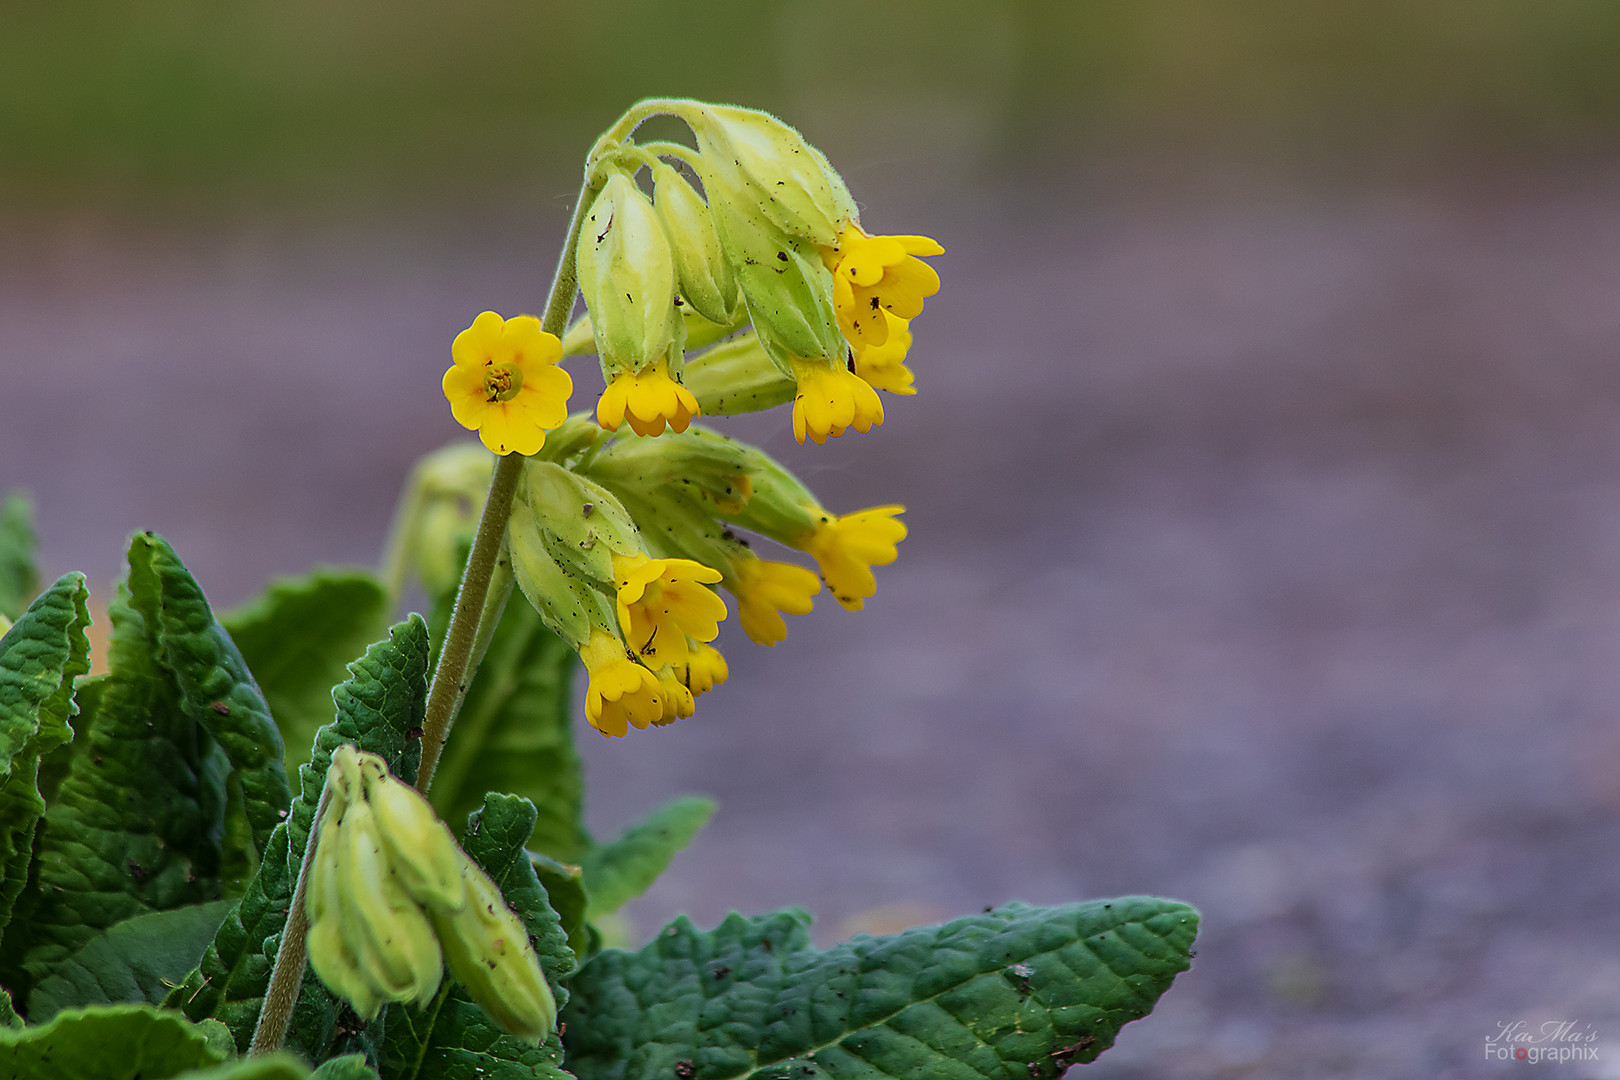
x,y
347,1067
40,659
380,709
112,1042
1017,992
296,639
565,890
19,579
8,1013
270,1067
514,733
140,959
618,872
453,1038
176,779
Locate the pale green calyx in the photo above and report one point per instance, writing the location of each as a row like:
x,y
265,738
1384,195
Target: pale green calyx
x,y
752,159
788,290
627,275
703,274
737,376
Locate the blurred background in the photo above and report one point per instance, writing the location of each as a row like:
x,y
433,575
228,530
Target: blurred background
x,y
1264,482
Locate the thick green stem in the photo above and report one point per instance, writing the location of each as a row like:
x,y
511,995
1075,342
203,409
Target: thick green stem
x,y
293,953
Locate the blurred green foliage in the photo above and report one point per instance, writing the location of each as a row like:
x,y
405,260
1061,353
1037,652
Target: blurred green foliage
x,y
333,100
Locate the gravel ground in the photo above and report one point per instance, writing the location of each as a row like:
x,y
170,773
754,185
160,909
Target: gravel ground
x,y
1265,554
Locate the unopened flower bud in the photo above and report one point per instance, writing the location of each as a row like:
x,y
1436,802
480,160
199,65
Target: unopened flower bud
x,y
488,950
701,269
786,286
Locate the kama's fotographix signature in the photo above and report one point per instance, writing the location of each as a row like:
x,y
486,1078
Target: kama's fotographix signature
x,y
1553,1040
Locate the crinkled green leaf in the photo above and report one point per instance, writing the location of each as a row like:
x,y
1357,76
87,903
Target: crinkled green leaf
x,y
514,734
109,1042
177,759
565,890
620,871
453,1038
1016,992
379,709
8,1013
40,659
298,637
140,959
19,579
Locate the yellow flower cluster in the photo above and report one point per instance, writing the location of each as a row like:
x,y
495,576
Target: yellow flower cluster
x,y
762,289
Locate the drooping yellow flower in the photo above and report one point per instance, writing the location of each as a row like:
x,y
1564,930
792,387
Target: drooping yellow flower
x,y
648,399
662,602
884,366
505,383
622,693
765,590
877,274
706,667
830,400
847,547
678,704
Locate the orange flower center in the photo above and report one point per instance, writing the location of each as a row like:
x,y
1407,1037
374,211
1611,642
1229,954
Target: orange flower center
x,y
502,383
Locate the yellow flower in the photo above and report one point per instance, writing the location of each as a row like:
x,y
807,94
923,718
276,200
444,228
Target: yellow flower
x,y
764,590
877,274
505,384
884,366
648,399
706,667
847,547
830,400
678,703
662,602
622,694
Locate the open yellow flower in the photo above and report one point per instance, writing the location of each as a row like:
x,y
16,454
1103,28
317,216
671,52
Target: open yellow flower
x,y
884,366
662,602
765,590
505,383
706,667
831,399
648,399
877,274
847,547
622,693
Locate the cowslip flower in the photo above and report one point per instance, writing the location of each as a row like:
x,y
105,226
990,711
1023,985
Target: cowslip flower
x,y
505,383
884,366
621,693
706,667
764,590
830,399
678,703
662,602
874,275
648,399
847,547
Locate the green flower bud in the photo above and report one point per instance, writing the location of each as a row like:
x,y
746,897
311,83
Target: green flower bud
x,y
627,274
420,848
561,537
445,497
488,950
700,464
787,288
782,507
384,928
736,377
768,170
701,268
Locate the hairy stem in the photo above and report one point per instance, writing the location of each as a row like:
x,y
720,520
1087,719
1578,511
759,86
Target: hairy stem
x,y
455,670
293,953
